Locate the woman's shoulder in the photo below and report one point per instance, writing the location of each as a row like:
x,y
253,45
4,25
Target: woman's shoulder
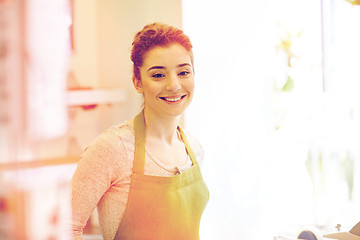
x,y
115,135
114,141
123,130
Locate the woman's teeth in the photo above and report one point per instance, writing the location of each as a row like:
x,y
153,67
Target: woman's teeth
x,y
172,99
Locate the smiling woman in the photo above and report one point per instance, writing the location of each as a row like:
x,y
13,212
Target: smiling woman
x,y
167,80
143,174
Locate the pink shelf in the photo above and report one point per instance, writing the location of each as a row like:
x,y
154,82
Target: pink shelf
x,y
95,96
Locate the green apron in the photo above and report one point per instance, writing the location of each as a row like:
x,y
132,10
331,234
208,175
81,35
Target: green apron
x,y
162,207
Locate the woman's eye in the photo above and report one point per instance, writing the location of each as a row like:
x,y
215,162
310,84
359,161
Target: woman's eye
x,y
184,73
158,75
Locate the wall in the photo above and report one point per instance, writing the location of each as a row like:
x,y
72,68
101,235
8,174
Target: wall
x,y
84,61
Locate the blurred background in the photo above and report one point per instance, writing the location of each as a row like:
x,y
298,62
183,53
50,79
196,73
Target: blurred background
x,y
276,108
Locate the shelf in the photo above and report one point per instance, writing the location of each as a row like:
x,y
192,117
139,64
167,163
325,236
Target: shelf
x,y
95,96
37,163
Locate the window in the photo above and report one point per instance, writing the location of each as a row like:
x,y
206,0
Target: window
x,y
272,128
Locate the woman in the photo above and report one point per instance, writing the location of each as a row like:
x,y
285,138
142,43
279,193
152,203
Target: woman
x,y
143,174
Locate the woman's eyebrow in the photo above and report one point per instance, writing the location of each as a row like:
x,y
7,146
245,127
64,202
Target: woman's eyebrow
x,y
162,67
156,67
184,64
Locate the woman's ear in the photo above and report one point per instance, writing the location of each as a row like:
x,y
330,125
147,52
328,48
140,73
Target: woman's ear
x,y
137,84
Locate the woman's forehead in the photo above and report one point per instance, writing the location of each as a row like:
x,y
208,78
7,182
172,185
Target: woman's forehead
x,y
164,55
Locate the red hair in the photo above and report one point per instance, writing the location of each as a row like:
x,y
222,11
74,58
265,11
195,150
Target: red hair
x,y
156,35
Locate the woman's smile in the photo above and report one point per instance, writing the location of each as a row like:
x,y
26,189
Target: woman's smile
x,y
173,99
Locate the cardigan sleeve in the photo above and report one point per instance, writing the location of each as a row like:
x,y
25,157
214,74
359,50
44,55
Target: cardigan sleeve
x,y
96,170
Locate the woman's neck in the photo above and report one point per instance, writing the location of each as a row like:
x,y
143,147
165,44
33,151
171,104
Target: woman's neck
x,y
160,127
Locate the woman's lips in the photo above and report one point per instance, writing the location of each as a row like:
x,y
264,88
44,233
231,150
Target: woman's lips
x,y
173,98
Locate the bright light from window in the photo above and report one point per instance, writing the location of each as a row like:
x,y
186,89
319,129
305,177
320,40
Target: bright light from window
x,y
263,134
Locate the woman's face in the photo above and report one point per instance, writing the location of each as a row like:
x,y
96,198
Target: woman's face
x,y
167,80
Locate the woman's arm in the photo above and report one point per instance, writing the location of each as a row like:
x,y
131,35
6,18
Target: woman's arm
x,y
92,178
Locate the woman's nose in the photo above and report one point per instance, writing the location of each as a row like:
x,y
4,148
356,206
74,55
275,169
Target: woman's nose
x,y
173,83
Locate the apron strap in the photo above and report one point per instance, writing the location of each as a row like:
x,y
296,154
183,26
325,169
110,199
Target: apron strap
x,y
139,154
188,147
